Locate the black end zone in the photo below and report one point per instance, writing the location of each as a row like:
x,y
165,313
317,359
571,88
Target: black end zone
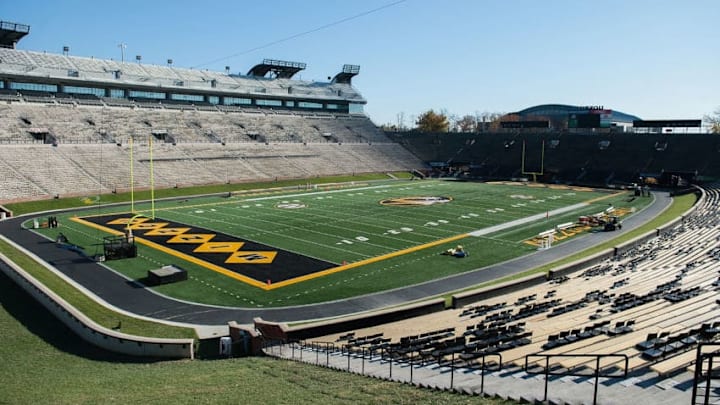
x,y
254,260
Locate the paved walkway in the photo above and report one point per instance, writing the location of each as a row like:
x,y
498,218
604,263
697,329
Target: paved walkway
x,y
127,295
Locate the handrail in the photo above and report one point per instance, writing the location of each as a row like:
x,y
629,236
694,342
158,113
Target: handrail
x,y
482,368
547,372
386,355
700,359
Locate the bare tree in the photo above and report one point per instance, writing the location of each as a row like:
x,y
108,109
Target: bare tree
x,y
454,121
713,121
467,123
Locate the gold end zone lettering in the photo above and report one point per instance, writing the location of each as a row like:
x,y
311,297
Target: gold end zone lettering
x,y
167,231
147,226
125,221
219,247
248,257
179,235
191,238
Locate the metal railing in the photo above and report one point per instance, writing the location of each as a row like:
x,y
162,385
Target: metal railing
x,y
597,372
323,351
706,370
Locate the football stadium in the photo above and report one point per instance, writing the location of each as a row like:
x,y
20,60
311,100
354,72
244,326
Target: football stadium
x,y
166,214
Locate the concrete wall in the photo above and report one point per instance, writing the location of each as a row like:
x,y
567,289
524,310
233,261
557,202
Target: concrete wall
x,y
246,340
580,264
468,297
280,331
90,331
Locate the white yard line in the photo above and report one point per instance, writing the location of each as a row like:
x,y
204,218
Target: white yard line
x,y
313,192
522,221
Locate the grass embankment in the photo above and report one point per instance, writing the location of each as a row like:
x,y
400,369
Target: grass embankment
x,y
678,207
86,305
139,195
43,363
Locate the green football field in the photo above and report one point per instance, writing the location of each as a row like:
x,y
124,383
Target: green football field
x,y
373,236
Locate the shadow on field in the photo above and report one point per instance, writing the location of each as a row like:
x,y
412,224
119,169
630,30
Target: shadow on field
x,y
40,322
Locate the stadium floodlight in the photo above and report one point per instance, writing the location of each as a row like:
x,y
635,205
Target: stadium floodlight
x,y
169,62
138,58
66,49
122,47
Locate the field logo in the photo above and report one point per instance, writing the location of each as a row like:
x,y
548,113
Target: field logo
x,y
415,201
521,196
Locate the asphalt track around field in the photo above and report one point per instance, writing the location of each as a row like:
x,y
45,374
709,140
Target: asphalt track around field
x,y
124,294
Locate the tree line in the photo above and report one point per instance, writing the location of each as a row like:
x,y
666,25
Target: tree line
x,y
441,121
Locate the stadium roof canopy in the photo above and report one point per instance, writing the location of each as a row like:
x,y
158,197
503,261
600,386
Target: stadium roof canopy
x,y
346,75
563,110
279,68
11,33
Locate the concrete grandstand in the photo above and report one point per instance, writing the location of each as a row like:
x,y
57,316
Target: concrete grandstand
x,y
75,115
574,158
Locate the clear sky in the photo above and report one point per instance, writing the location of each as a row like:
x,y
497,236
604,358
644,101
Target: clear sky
x,y
657,59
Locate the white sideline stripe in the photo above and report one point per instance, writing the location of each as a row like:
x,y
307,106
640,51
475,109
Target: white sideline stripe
x,y
314,192
525,220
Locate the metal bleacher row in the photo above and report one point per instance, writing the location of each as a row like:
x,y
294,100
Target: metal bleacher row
x,y
598,159
121,118
652,303
59,149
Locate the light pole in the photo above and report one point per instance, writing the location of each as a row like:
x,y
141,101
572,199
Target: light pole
x,y
122,47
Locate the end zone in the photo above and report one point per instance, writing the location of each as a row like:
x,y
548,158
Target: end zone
x,y
253,263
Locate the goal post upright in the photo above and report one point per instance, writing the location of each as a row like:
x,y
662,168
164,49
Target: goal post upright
x,y
542,162
132,177
152,180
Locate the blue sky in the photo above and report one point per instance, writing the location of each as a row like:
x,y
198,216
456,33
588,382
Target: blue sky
x,y
657,59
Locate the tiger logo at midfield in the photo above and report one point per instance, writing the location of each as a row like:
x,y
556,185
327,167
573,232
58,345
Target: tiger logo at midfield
x,y
415,201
